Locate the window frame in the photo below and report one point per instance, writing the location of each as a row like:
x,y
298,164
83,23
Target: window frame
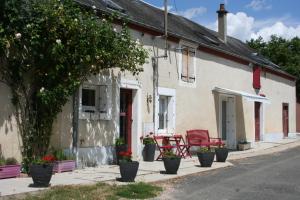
x,y
193,48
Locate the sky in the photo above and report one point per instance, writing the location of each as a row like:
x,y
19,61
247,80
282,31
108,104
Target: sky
x,y
246,18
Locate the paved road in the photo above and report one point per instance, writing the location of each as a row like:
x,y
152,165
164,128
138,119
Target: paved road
x,y
268,177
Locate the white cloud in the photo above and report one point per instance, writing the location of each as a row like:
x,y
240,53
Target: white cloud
x,y
279,29
245,27
168,7
258,5
193,12
189,13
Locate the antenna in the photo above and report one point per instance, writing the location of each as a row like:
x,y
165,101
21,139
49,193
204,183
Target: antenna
x,y
166,28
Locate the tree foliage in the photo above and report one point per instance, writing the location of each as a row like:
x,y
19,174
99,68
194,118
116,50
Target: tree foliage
x,y
47,49
283,52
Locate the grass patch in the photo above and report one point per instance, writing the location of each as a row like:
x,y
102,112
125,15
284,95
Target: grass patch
x,y
100,191
138,191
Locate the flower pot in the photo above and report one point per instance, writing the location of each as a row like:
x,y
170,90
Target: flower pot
x,y
243,147
10,171
64,166
120,148
221,154
171,165
41,174
149,152
128,170
206,158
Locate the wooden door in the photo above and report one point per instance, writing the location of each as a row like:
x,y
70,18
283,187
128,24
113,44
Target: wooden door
x,y
126,116
285,119
257,106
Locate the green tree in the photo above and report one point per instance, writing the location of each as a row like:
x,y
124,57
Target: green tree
x,y
47,49
283,52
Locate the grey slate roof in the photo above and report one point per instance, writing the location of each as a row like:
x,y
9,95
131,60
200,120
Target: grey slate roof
x,y
151,17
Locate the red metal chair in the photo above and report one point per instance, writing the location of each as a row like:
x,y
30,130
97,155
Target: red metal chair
x,y
201,138
162,145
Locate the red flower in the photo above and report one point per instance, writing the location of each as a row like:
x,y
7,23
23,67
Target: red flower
x,y
49,158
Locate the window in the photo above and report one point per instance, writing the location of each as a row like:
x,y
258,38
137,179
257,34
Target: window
x,y
188,65
89,99
95,102
165,110
163,113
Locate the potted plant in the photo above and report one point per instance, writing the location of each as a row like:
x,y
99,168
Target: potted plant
x,y
41,170
128,168
9,168
171,162
120,146
149,148
221,154
206,156
244,145
63,162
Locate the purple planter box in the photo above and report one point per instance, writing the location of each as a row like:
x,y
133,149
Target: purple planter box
x,y
64,166
10,171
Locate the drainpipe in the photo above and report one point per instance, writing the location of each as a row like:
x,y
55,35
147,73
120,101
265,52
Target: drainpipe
x,y
75,121
155,89
155,63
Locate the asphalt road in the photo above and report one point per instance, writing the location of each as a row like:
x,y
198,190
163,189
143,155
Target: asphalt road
x,y
270,177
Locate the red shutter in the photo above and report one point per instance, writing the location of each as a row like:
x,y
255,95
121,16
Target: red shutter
x,y
256,77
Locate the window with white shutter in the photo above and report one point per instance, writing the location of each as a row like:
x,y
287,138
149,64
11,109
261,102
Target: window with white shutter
x,y
188,65
95,102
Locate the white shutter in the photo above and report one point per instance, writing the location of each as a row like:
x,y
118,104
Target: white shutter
x,y
171,114
105,102
184,66
191,66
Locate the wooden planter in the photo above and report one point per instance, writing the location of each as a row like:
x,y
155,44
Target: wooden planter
x,y
10,171
64,166
243,147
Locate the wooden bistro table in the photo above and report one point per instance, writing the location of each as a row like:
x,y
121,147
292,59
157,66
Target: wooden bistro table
x,y
169,142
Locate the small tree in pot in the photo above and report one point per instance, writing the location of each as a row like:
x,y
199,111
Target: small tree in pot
x,y
120,147
128,168
41,170
171,162
206,156
149,148
221,153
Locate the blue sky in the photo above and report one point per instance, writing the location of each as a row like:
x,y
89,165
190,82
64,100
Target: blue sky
x,y
247,18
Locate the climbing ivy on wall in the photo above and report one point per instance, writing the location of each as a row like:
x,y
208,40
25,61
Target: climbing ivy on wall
x,y
47,49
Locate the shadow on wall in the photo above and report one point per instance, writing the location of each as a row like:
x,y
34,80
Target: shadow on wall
x,y
96,137
9,137
240,120
240,117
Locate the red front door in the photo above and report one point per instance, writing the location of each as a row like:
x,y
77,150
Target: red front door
x,y
285,119
257,120
126,116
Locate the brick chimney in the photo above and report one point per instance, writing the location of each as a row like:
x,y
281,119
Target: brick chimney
x,y
222,23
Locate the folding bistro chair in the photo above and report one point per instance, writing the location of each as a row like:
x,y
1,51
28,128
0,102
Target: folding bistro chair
x,y
163,145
